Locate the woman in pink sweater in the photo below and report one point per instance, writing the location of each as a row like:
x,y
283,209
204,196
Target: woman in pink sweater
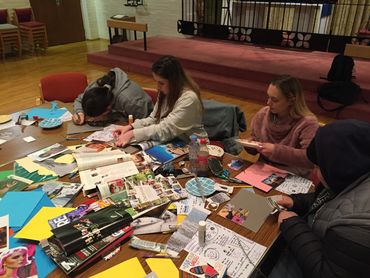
x,y
285,127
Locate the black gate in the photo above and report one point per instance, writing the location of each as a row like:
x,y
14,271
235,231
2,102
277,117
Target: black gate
x,y
314,25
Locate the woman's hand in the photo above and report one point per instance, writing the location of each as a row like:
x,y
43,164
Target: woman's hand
x,y
124,138
121,130
78,118
285,201
284,214
266,149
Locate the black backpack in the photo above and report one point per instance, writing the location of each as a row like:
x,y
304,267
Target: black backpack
x,y
340,89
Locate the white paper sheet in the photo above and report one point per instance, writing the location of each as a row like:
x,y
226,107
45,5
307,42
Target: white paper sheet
x,y
223,245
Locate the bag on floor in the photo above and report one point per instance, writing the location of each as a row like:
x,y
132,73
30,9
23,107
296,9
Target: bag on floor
x,y
341,68
343,93
340,89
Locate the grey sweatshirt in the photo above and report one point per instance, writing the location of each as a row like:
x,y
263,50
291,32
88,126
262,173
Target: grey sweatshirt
x,y
128,97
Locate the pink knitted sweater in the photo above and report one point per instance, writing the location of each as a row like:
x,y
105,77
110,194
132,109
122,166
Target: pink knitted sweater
x,y
291,138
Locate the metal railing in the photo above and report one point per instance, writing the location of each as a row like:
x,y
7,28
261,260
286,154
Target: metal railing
x,y
316,25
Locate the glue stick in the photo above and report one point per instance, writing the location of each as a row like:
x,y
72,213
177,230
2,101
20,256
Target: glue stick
x,y
130,119
202,233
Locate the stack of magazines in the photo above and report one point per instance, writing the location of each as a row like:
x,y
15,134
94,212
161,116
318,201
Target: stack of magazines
x,y
77,244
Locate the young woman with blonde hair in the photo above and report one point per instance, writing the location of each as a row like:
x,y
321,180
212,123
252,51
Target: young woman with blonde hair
x,y
285,127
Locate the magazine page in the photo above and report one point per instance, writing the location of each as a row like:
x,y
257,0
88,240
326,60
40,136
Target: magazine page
x,y
98,159
4,233
145,145
19,262
48,152
101,176
61,193
166,152
105,135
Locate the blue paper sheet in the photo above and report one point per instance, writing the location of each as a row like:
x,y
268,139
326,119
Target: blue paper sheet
x,y
43,263
22,206
47,113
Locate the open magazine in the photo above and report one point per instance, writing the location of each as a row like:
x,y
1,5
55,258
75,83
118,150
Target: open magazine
x,y
89,160
166,152
101,177
146,190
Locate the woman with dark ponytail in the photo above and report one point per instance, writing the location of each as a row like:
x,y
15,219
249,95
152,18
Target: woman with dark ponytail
x,y
178,111
113,92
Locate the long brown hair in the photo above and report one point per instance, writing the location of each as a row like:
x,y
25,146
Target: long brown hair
x,y
169,68
291,88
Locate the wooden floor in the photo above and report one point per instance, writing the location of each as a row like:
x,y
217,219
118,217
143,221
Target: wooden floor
x,y
20,77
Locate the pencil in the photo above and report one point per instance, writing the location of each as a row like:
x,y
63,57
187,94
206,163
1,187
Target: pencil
x,y
242,186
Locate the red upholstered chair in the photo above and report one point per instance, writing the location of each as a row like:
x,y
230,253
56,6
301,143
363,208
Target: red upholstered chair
x,y
152,93
33,33
65,86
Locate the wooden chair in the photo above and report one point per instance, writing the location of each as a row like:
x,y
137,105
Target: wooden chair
x,y
9,34
64,86
152,93
33,33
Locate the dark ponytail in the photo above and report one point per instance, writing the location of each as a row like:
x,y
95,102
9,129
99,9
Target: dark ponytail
x,y
97,99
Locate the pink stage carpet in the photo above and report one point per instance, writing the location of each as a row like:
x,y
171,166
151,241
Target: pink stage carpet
x,y
238,69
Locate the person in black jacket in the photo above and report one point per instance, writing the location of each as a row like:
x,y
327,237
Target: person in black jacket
x,y
328,231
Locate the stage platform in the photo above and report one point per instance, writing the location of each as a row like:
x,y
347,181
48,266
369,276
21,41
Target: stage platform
x,y
236,69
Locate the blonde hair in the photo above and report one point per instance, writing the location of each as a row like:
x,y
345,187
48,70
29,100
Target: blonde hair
x,y
291,88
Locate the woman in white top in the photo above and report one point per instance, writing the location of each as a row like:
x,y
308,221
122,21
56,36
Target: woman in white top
x,y
178,111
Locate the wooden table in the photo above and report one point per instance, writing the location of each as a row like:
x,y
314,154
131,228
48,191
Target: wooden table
x,y
266,236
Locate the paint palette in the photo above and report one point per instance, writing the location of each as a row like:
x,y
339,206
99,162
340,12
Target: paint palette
x,y
50,123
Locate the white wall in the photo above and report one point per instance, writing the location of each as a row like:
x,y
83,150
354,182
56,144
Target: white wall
x,y
161,16
14,4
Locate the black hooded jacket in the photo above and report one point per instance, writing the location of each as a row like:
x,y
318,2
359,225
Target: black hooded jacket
x,y
335,242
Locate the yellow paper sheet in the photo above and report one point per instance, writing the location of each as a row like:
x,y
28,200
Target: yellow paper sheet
x,y
28,164
74,147
66,159
46,172
172,206
180,218
163,268
131,268
38,227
